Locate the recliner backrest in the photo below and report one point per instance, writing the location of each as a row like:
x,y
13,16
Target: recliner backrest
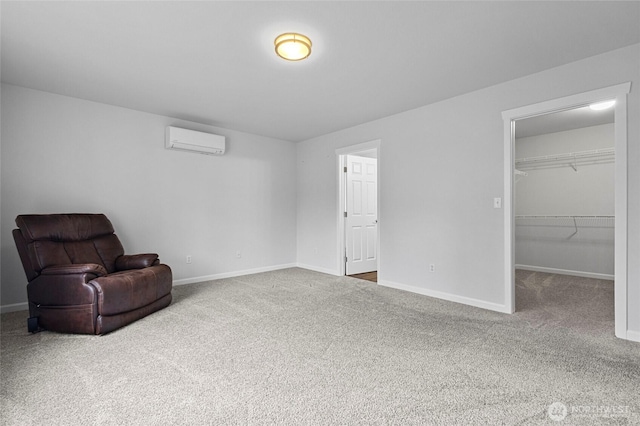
x,y
62,239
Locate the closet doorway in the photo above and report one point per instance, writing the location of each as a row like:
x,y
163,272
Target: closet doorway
x,y
511,117
565,217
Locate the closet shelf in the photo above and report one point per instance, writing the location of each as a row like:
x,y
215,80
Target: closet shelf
x,y
566,221
574,221
526,216
573,159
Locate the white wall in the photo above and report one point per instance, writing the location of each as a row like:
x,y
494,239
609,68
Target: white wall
x,y
561,190
440,168
440,165
62,154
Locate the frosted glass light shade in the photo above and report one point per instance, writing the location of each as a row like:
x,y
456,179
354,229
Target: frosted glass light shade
x,y
293,46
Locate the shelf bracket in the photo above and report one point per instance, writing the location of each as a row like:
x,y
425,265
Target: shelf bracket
x,y
575,225
574,166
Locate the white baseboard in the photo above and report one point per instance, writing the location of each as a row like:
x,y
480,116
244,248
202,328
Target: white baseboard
x,y
232,274
24,306
448,296
566,272
631,335
317,269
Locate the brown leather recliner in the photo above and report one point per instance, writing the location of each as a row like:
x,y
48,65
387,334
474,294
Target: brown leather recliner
x,y
80,280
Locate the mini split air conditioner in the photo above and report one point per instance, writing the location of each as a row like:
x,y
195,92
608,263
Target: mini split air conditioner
x,y
190,140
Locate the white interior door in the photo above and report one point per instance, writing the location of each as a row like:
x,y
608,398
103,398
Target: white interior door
x,y
361,221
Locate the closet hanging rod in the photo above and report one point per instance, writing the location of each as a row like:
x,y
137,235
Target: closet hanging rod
x,y
575,221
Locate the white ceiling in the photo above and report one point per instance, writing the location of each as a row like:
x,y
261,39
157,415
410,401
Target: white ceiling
x,y
561,121
213,62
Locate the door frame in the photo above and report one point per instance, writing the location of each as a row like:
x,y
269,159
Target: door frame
x,y
619,93
341,154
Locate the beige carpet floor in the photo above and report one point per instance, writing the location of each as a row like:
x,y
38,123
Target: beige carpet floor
x,y
296,347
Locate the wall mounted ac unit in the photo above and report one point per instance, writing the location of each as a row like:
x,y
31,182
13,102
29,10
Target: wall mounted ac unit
x,y
190,140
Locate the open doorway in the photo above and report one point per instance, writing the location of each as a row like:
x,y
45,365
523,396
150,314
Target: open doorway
x,y
619,94
564,218
358,210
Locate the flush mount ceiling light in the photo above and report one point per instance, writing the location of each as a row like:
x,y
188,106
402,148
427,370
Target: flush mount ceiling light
x,y
293,46
602,105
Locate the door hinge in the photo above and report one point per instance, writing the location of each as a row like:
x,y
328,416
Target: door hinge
x,y
345,169
345,259
345,214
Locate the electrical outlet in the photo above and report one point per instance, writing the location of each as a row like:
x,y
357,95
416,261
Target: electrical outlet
x,y
238,254
432,268
189,258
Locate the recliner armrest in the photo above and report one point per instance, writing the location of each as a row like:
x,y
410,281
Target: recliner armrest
x,y
136,261
80,268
